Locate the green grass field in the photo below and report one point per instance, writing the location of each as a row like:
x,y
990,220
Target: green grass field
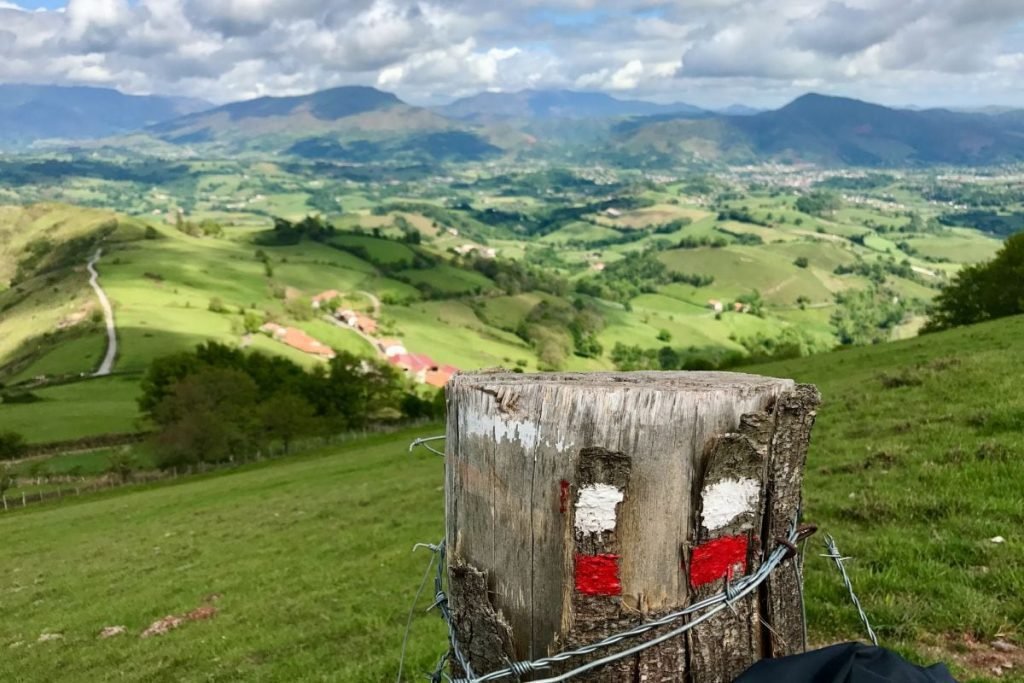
x,y
104,405
913,468
311,559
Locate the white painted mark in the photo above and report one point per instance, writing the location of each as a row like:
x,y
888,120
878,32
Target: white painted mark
x,y
726,500
502,429
595,509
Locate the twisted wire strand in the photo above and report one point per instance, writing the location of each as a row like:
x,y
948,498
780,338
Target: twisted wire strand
x,y
412,609
714,604
837,557
425,442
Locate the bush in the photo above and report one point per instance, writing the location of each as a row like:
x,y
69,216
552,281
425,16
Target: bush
x,y
217,305
801,262
12,446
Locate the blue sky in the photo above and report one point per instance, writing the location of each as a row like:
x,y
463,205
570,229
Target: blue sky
x,y
706,52
41,4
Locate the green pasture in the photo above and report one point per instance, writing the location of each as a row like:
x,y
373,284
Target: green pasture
x,y
912,467
103,405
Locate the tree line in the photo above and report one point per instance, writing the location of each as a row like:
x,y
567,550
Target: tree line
x,y
984,291
217,403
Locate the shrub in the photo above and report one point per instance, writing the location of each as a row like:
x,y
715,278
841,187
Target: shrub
x,y
12,446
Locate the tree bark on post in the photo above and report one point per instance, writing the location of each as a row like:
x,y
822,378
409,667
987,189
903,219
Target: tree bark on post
x,y
579,505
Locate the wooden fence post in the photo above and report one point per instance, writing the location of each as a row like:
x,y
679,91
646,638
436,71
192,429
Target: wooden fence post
x,y
579,505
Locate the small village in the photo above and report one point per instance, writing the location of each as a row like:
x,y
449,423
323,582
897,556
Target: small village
x,y
418,367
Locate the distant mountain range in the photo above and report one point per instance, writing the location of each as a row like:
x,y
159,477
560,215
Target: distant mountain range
x,y
33,112
556,104
833,130
362,124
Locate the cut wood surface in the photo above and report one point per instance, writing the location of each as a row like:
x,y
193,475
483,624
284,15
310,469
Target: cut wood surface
x,y
576,498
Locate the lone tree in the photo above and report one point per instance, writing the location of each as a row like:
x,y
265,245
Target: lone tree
x,y
984,291
12,446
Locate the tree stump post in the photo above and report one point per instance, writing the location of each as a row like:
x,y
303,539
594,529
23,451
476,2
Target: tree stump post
x,y
580,505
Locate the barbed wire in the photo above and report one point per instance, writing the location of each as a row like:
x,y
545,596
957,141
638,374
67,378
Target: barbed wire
x,y
837,557
412,610
733,592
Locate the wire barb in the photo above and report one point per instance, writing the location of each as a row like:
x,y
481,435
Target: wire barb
x,y
837,557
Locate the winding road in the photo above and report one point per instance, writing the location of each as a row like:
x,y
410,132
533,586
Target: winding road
x,y
373,300
108,315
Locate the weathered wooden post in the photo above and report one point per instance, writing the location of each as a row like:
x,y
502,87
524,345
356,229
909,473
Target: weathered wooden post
x,y
579,505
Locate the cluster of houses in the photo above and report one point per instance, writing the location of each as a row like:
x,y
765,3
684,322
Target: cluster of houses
x,y
485,252
419,367
359,321
737,306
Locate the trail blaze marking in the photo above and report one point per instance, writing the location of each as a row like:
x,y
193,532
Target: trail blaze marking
x,y
718,559
595,508
598,575
726,500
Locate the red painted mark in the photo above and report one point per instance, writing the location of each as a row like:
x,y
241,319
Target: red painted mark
x,y
718,559
598,575
563,498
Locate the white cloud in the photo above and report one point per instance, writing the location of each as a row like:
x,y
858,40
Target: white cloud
x,y
706,51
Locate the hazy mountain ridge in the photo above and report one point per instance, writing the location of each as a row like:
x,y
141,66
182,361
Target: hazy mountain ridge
x,y
363,124
557,104
838,130
35,112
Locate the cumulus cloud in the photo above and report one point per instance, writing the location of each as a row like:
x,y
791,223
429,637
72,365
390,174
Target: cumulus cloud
x,y
711,52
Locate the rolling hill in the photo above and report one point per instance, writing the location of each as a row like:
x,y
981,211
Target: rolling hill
x,y
831,131
912,467
352,123
37,112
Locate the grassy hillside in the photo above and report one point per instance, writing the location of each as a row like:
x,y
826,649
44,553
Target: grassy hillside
x,y
172,290
914,466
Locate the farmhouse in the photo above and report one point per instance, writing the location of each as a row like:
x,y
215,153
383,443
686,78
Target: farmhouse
x,y
324,297
716,305
438,377
347,316
485,252
416,365
612,213
391,347
297,339
363,323
366,324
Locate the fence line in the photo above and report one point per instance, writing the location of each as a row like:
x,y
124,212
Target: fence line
x,y
111,481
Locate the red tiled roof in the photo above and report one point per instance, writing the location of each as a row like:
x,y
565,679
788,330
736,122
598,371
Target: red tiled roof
x,y
413,362
366,323
297,339
439,377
